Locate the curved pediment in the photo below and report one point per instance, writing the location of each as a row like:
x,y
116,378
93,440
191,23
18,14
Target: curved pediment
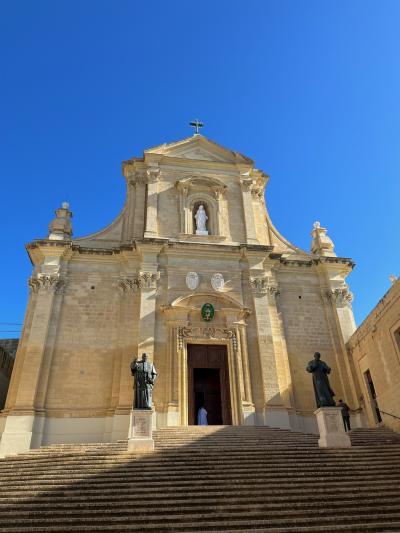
x,y
195,301
201,183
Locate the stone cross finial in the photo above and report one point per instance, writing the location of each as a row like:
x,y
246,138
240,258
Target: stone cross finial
x,y
60,229
196,124
321,243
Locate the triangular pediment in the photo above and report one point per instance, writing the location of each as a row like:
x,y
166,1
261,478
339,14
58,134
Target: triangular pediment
x,y
200,148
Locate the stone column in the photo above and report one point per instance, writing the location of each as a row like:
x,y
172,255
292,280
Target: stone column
x,y
245,364
152,202
23,427
251,234
148,286
122,389
336,299
128,231
266,338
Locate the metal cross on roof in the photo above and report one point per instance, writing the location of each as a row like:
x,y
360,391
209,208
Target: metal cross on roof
x,y
196,124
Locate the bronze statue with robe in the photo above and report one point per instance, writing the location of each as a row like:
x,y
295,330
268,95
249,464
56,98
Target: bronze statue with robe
x,y
323,392
145,376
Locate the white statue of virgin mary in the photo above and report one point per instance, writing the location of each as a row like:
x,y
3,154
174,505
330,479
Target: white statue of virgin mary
x,y
201,220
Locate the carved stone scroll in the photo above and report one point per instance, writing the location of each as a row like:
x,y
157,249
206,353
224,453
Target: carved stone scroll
x,y
339,296
128,285
207,332
148,280
263,285
47,282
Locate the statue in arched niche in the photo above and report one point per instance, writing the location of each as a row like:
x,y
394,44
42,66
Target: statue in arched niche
x,y
201,221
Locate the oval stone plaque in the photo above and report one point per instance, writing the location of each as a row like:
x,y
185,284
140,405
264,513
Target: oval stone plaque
x,y
217,281
192,280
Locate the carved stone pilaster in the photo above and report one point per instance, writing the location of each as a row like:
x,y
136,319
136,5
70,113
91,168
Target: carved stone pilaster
x,y
47,282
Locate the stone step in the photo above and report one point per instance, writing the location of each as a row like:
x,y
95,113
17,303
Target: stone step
x,y
193,499
177,471
189,523
89,468
58,461
360,527
97,486
185,506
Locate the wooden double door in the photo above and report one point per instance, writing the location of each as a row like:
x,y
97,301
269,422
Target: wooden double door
x,y
208,376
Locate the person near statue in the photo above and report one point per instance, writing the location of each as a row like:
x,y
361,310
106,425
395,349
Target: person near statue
x,y
323,392
145,375
345,414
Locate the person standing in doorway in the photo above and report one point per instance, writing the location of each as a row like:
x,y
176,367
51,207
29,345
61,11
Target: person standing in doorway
x,y
202,417
345,414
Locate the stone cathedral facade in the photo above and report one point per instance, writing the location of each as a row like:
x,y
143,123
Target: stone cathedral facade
x,y
142,284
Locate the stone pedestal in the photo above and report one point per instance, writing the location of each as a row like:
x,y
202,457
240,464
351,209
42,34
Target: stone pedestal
x,y
331,428
140,436
200,232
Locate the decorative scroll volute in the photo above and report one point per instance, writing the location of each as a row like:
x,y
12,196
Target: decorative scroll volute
x,y
46,282
263,285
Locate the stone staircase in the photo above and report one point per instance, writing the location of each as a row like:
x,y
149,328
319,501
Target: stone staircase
x,y
373,437
207,479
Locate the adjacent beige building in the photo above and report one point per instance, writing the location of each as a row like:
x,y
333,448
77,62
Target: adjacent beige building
x,y
375,353
139,285
8,348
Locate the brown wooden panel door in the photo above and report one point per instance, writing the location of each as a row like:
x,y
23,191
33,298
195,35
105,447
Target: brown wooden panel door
x,y
208,383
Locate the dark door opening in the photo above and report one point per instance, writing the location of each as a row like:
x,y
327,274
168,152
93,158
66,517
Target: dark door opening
x,y
207,393
372,396
208,383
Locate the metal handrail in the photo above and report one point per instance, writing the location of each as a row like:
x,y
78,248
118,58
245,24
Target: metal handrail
x,y
394,416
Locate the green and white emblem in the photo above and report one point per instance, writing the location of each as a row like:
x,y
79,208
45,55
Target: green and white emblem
x,y
207,312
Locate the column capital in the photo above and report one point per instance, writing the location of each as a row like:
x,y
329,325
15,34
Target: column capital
x,y
49,283
246,183
136,178
153,174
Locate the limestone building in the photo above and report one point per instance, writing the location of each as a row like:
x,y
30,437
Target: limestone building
x,y
375,352
8,348
142,284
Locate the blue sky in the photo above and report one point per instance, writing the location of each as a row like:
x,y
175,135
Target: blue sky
x,y
308,89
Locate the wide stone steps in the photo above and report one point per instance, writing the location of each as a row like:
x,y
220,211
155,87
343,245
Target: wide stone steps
x,y
205,480
375,437
220,522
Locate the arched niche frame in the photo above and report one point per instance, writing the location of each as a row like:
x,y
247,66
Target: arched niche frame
x,y
194,191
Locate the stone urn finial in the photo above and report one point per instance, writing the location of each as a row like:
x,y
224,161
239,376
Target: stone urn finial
x,y
60,228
